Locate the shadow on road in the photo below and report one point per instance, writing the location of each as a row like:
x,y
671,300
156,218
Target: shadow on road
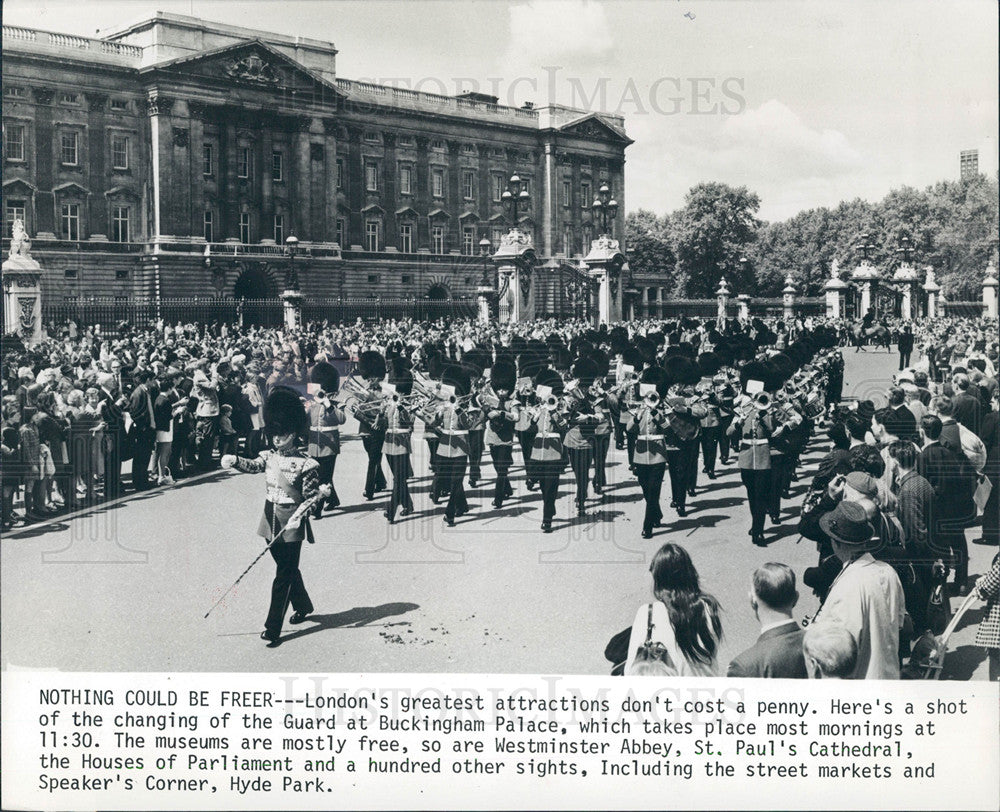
x,y
358,616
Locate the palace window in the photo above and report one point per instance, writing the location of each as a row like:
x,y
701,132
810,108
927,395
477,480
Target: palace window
x,y
277,168
279,229
406,180
496,234
12,92
584,195
341,231
119,152
14,210
69,98
469,149
70,151
406,141
119,105
374,279
568,242
469,185
588,237
437,239
340,174
209,225
437,183
371,176
71,221
244,162
437,146
372,137
567,191
499,187
13,142
207,160
406,238
245,227
372,228
120,220
469,240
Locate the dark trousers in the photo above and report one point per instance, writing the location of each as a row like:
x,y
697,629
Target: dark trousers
x,y
619,430
143,443
709,446
475,454
948,540
206,429
502,456
548,478
450,471
327,465
904,359
630,448
991,512
525,439
724,444
758,485
601,446
112,466
432,448
579,460
676,463
374,478
287,586
781,478
651,482
399,466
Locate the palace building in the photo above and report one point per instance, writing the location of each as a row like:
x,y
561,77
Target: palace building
x,y
174,156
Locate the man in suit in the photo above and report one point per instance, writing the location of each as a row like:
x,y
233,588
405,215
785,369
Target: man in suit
x,y
778,651
112,404
143,431
905,347
968,406
906,421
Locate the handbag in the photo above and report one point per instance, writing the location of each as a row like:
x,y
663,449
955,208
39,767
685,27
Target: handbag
x,y
654,651
938,610
616,651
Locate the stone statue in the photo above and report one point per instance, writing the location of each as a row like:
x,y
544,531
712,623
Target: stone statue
x,y
930,276
835,270
20,245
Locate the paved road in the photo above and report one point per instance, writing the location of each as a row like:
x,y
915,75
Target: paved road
x,y
126,587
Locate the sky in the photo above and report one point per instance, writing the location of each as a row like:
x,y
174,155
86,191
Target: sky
x,y
806,103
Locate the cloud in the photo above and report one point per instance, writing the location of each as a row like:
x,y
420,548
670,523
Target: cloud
x,y
558,32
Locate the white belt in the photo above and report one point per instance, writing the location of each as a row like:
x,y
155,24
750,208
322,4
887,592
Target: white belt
x,y
398,431
455,432
547,434
326,428
765,441
650,437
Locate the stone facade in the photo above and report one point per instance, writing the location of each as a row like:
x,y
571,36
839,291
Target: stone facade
x,y
172,157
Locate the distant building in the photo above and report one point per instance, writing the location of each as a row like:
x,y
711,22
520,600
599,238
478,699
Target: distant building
x,y
174,156
969,162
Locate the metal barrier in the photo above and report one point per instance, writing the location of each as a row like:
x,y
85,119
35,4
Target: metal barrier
x,y
109,312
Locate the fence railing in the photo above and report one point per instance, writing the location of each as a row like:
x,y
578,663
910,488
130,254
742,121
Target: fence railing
x,y
109,312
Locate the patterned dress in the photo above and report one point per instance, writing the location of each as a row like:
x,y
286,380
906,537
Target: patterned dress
x,y
988,633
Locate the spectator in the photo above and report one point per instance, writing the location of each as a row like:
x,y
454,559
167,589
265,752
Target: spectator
x,y
685,620
988,633
830,651
956,437
968,406
866,597
778,651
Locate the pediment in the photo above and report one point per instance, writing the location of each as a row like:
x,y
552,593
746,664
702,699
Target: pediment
x,y
71,189
439,214
373,208
251,64
469,215
406,211
18,186
593,126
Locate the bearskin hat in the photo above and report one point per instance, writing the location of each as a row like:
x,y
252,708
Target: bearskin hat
x,y
753,371
371,364
600,357
657,376
709,364
402,380
326,375
456,376
585,370
561,357
433,364
784,365
284,413
647,349
549,377
682,370
475,361
632,357
618,340
503,375
529,363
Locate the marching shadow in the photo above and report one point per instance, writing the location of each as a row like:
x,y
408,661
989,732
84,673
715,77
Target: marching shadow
x,y
717,486
726,502
591,518
690,523
962,662
779,532
356,617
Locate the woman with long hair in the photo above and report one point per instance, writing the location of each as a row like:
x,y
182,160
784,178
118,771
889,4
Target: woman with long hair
x,y
684,619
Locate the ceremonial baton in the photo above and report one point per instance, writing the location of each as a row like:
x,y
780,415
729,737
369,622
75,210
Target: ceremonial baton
x,y
324,492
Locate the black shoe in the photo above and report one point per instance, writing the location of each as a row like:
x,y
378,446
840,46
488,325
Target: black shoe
x,y
682,511
368,496
531,485
673,503
775,519
473,483
598,490
332,504
546,527
647,534
388,517
449,522
270,636
497,503
758,541
581,510
406,511
435,499
985,541
299,617
692,492
710,474
658,523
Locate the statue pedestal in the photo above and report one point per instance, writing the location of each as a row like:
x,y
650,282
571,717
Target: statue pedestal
x,y
515,260
22,297
605,262
744,302
483,294
292,302
990,288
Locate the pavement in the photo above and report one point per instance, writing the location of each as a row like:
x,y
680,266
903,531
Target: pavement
x,y
126,586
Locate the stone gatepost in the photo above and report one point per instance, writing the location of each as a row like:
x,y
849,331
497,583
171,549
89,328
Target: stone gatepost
x,y
605,262
788,299
990,290
515,260
22,294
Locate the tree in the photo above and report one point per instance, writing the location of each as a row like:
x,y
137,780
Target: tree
x,y
713,232
650,251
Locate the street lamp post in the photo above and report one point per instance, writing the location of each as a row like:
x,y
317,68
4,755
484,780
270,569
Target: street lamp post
x,y
485,291
605,209
514,197
292,297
